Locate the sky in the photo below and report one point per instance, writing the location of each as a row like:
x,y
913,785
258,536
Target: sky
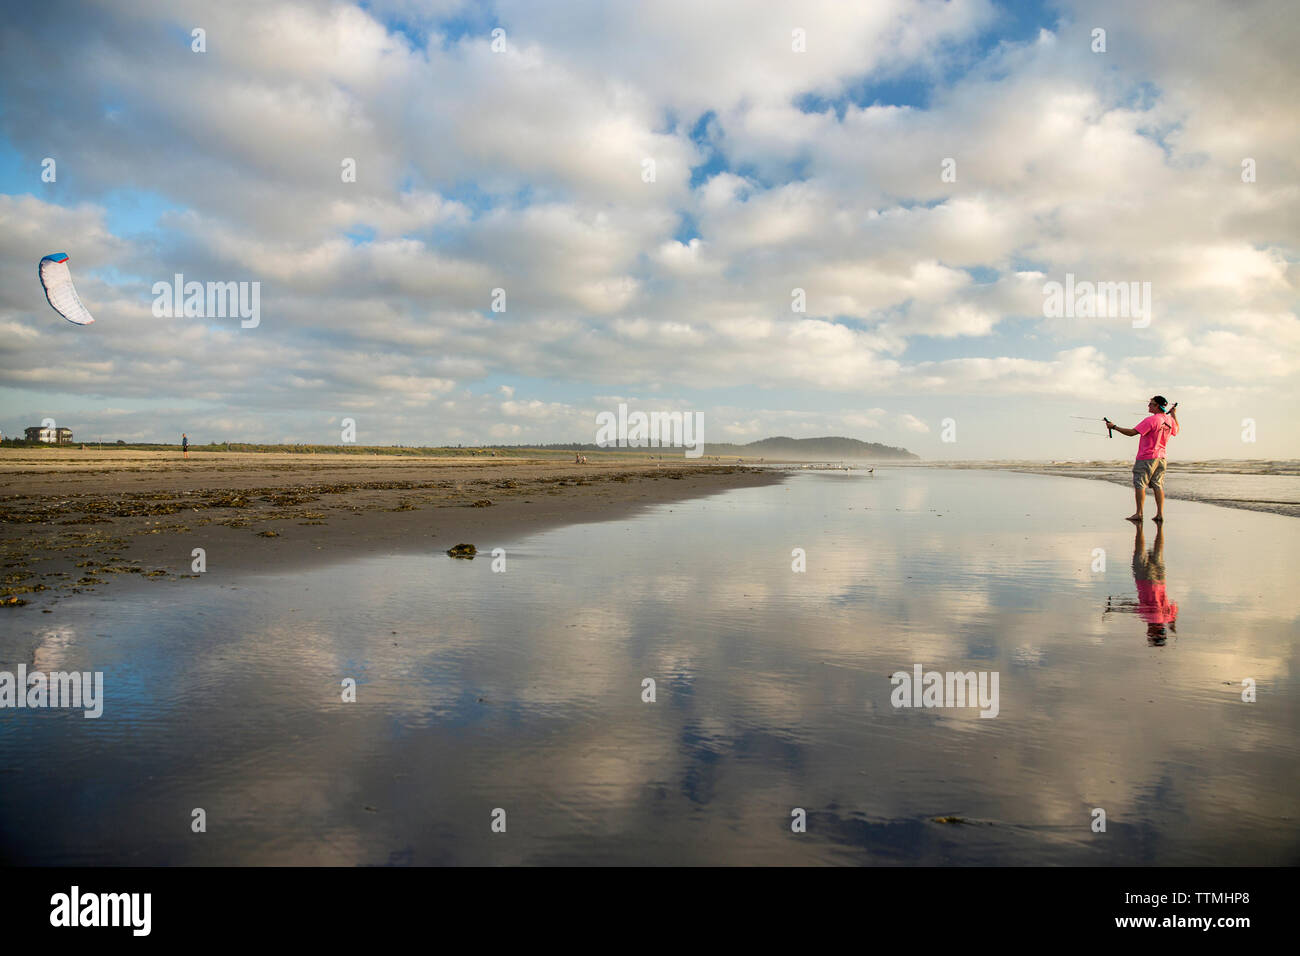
x,y
649,185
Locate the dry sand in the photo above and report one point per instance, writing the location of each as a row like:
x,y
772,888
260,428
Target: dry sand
x,y
74,520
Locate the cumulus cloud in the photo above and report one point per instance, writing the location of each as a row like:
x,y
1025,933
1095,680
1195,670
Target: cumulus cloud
x,y
524,170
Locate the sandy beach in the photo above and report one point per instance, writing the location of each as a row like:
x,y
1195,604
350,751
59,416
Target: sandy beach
x,y
74,520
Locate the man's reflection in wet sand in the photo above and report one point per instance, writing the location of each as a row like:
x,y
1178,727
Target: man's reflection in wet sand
x,y
1153,604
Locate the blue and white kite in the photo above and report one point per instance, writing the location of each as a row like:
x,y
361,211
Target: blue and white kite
x,y
56,280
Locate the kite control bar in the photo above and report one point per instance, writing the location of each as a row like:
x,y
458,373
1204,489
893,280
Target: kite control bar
x,y
1110,426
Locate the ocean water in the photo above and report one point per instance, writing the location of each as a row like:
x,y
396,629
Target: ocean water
x,y
517,696
1260,486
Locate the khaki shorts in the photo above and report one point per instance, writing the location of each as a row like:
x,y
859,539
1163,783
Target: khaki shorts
x,y
1150,472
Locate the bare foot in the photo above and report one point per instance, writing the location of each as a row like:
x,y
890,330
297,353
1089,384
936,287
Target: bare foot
x,y
1159,519
1136,517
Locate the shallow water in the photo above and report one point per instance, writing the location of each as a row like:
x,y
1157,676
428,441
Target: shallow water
x,y
1257,485
1279,494
522,691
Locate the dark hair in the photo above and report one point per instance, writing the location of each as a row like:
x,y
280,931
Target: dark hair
x,y
1161,402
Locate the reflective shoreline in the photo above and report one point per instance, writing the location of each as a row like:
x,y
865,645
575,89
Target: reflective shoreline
x,y
523,690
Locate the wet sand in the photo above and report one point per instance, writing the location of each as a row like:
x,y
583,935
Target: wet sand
x,y
523,691
73,520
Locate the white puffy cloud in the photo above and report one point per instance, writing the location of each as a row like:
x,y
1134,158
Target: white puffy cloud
x,y
774,171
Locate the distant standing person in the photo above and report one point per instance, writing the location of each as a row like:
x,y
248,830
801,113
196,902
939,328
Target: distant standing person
x,y
185,445
1155,431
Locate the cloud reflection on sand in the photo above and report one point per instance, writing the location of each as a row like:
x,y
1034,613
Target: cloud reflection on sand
x,y
523,690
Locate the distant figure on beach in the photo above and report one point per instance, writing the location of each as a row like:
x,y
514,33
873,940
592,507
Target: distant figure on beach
x,y
185,445
1155,431
1153,604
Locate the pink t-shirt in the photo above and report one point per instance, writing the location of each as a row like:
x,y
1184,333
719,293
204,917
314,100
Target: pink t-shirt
x,y
1156,431
1154,605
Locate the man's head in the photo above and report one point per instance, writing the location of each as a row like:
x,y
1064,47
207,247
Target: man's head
x,y
1158,404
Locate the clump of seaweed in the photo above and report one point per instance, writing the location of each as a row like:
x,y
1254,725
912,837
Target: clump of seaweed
x,y
23,589
463,551
292,497
227,500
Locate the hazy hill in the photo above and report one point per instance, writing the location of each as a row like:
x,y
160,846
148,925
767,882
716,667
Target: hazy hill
x,y
813,449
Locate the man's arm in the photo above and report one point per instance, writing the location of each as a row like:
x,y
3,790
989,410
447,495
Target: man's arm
x,y
1130,432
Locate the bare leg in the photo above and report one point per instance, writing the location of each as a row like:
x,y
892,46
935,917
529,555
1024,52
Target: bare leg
x,y
1139,497
1160,502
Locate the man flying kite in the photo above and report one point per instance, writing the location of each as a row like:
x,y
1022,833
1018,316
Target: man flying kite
x,y
1154,432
